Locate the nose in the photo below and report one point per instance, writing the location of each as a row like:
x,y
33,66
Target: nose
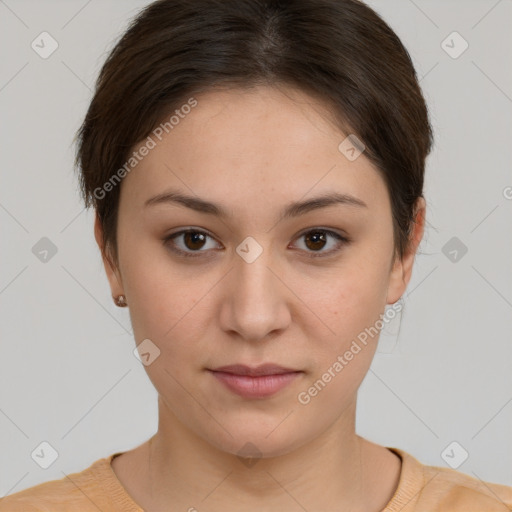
x,y
256,304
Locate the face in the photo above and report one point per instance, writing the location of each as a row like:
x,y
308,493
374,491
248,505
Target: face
x,y
250,284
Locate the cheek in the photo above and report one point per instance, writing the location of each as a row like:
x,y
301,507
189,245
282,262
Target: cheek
x,y
162,296
353,297
351,306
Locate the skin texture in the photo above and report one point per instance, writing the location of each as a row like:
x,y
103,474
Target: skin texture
x,y
253,152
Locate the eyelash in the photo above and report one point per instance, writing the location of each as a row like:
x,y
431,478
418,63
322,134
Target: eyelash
x,y
342,241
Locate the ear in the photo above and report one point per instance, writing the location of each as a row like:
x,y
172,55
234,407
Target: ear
x,y
402,268
113,274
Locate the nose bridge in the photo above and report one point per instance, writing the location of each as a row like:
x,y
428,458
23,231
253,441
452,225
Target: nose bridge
x,y
254,279
256,305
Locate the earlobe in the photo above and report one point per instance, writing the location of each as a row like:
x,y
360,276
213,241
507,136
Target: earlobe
x,y
113,275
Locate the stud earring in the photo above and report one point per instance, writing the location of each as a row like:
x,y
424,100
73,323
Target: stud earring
x,y
120,301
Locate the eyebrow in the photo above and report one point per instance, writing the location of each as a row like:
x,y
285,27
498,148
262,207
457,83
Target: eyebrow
x,y
293,209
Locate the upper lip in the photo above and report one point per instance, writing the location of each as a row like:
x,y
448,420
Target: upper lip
x,y
263,369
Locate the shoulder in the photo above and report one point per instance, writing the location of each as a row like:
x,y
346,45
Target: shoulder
x,y
459,491
76,491
443,489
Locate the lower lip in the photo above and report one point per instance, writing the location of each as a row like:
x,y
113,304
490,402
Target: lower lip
x,y
255,387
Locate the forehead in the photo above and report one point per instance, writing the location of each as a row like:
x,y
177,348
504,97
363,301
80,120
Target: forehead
x,y
240,143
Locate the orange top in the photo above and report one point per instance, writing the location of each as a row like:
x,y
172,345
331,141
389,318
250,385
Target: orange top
x,y
421,488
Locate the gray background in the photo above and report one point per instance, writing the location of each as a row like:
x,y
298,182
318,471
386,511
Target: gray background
x,y
67,372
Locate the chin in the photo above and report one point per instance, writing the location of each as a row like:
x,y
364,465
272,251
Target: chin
x,y
255,443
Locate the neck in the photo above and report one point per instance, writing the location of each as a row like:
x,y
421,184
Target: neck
x,y
331,472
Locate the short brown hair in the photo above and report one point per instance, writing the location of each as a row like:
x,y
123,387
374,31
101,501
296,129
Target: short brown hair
x,y
339,51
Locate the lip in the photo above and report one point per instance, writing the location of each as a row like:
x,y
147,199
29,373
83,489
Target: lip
x,y
255,382
254,371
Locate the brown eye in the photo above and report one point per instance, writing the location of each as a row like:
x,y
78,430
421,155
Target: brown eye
x,y
189,242
315,240
193,240
194,243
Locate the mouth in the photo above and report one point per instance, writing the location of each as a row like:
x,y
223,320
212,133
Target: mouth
x,y
254,371
255,382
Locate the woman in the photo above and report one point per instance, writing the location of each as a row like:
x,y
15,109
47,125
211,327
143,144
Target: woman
x,y
257,170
